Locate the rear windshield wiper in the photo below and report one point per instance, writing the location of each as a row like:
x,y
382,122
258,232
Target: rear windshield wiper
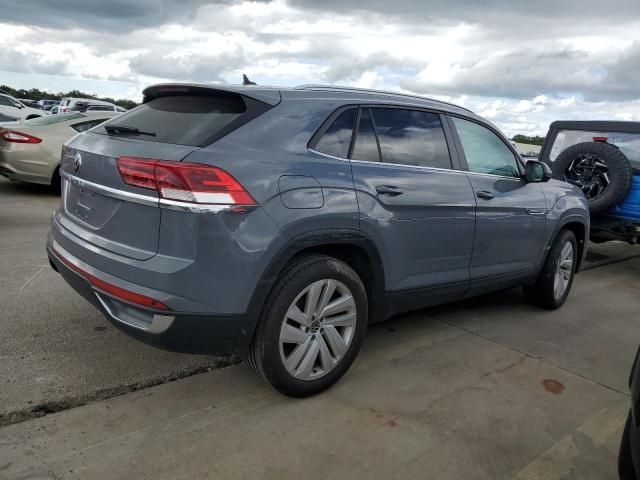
x,y
115,129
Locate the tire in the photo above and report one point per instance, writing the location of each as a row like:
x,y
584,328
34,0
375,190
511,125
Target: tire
x,y
544,293
56,181
625,460
618,173
316,360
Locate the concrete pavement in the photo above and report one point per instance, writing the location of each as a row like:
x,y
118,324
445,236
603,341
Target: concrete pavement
x,y
486,389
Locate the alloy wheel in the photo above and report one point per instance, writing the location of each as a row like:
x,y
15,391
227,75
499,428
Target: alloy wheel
x,y
317,329
589,173
564,270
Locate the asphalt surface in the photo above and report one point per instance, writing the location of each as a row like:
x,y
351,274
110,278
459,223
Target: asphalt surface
x,y
57,351
487,389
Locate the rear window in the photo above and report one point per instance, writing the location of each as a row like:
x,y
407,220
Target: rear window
x,y
183,119
628,143
51,119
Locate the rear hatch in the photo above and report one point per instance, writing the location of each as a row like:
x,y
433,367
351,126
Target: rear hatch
x,y
98,205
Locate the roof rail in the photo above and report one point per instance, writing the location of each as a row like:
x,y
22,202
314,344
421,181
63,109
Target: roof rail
x,y
369,91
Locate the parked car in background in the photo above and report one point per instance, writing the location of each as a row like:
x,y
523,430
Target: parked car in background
x,y
14,109
279,223
55,110
47,104
80,104
104,108
30,150
629,457
602,158
30,103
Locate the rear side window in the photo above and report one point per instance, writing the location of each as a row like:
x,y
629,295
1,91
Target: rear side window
x,y
411,137
365,147
628,143
336,140
182,119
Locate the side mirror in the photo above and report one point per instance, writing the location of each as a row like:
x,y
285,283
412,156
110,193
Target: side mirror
x,y
536,172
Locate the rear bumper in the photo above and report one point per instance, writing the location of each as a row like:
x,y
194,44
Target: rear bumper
x,y
613,227
176,331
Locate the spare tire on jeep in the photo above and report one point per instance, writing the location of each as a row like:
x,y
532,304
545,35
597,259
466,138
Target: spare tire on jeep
x,y
599,169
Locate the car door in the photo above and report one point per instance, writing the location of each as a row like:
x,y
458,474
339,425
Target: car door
x,y
510,212
414,203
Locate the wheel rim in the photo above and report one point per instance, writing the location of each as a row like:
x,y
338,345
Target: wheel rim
x,y
317,329
564,270
589,173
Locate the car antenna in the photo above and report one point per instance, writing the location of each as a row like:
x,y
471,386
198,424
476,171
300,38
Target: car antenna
x,y
246,81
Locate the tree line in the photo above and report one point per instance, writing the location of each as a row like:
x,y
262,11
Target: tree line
x,y
535,140
37,94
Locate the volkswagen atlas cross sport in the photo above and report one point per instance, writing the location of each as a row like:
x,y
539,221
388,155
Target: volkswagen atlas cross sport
x,y
279,223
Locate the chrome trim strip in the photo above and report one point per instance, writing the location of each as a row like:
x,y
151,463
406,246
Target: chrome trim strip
x,y
196,207
416,167
152,201
112,192
159,323
536,211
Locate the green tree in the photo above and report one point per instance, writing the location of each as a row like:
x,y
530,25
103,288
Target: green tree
x,y
37,94
535,140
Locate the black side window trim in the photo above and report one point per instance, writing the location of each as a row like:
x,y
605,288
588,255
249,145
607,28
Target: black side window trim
x,y
458,143
356,130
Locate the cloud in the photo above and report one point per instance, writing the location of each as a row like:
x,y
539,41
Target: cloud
x,y
520,63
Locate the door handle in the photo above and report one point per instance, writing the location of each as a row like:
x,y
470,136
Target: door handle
x,y
389,190
485,194
536,211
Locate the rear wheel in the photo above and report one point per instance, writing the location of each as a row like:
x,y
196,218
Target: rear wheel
x,y
556,277
312,327
56,181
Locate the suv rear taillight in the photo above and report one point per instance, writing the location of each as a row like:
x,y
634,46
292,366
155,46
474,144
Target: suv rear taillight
x,y
185,182
17,137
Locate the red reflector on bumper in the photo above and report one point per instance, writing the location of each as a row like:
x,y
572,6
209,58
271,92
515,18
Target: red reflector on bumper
x,y
117,292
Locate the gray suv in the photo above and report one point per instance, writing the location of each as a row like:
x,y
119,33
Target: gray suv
x,y
279,223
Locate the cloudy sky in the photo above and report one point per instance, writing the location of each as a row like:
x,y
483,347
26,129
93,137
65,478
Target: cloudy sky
x,y
520,63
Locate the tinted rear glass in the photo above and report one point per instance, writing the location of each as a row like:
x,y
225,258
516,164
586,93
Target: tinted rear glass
x,y
411,137
51,119
337,139
182,119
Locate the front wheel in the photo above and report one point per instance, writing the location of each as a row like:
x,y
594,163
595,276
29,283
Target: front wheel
x,y
311,328
556,277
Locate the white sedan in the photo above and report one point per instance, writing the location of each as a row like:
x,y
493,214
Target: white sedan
x,y
13,109
30,150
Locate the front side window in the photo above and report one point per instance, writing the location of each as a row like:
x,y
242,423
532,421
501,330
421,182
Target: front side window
x,y
411,137
485,151
336,140
628,143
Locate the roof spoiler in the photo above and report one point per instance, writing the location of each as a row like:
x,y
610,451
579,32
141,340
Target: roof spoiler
x,y
269,96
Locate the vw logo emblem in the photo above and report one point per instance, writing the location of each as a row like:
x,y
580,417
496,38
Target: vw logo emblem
x,y
77,162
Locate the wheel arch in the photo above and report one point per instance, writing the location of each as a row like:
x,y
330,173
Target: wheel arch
x,y
350,246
